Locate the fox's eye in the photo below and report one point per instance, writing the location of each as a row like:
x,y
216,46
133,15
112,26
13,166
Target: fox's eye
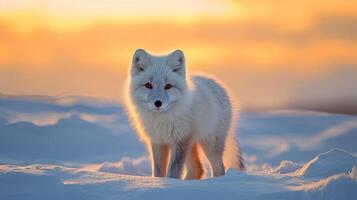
x,y
148,85
139,67
168,86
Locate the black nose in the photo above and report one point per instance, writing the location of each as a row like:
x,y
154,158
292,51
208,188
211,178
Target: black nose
x,y
158,103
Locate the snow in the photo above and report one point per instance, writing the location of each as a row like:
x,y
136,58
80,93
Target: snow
x,y
285,167
50,181
140,166
83,148
332,162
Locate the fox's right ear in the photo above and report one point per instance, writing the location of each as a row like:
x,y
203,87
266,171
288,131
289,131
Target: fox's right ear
x,y
176,61
139,62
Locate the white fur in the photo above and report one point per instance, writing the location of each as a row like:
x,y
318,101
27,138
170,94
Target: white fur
x,y
197,110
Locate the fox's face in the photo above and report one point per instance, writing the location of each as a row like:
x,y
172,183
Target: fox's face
x,y
158,82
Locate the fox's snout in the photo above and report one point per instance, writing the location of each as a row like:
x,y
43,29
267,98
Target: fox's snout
x,y
158,103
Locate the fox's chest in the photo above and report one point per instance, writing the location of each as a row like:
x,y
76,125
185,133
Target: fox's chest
x,y
167,130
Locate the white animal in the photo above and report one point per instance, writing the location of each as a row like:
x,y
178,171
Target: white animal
x,y
175,115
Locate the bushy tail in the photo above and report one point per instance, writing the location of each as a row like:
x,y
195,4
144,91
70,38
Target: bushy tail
x,y
232,157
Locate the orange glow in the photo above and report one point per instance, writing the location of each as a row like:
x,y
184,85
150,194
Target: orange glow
x,y
84,47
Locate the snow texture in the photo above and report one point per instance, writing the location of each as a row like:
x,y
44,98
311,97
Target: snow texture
x,y
84,148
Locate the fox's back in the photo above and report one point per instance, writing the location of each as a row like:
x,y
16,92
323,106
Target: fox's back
x,y
212,106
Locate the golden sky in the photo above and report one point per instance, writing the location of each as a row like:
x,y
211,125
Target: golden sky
x,y
268,52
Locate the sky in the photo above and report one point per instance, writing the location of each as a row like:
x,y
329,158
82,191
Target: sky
x,y
270,53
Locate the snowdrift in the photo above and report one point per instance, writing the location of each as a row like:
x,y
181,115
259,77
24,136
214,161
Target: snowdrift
x,y
58,182
83,148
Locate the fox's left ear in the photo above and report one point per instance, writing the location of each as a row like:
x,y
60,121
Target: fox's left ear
x,y
176,60
140,61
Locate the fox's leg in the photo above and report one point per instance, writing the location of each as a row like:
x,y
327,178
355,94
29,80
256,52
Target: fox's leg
x,y
177,158
159,156
214,148
193,164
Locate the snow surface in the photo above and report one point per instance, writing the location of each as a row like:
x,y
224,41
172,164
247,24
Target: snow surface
x,y
84,148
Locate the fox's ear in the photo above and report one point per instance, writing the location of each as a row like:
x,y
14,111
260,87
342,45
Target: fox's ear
x,y
140,61
176,60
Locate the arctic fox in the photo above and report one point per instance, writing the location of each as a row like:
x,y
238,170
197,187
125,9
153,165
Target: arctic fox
x,y
175,115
